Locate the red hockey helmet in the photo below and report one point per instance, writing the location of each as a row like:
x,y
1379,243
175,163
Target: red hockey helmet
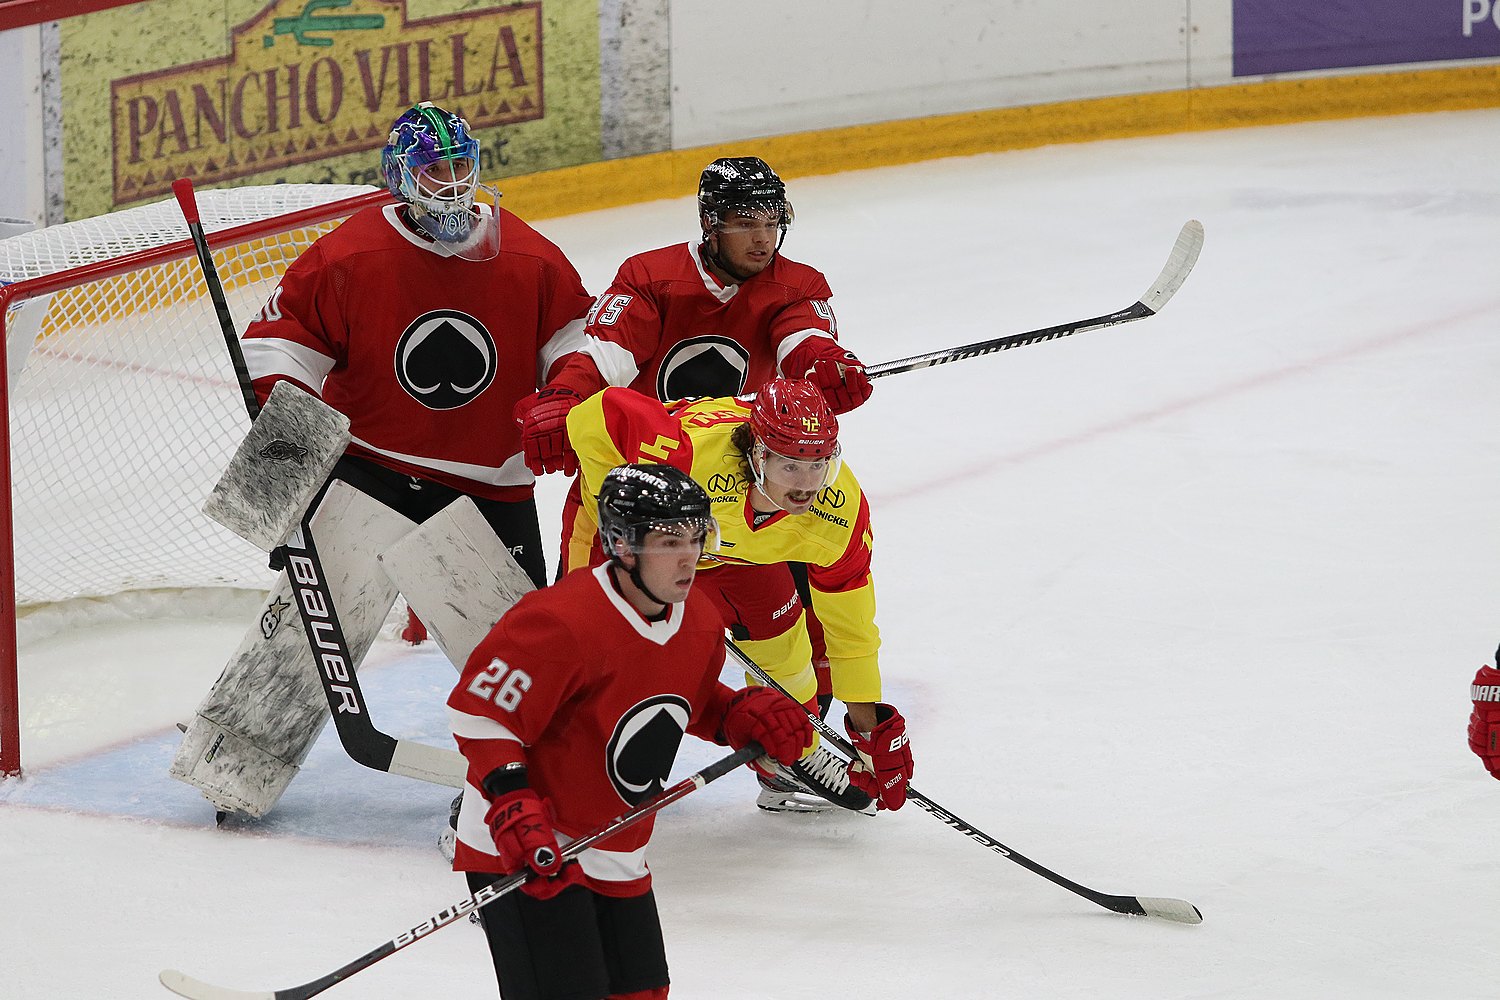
x,y
791,418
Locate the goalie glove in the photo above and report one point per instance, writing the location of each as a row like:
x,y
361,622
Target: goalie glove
x,y
837,373
1484,721
543,419
884,766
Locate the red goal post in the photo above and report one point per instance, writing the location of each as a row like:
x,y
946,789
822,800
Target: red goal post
x,y
123,404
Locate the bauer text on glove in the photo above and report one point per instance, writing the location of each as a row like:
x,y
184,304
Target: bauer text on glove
x,y
837,373
521,824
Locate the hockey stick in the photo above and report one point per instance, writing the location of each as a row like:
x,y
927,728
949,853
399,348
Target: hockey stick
x,y
1179,910
325,636
182,189
195,989
1179,264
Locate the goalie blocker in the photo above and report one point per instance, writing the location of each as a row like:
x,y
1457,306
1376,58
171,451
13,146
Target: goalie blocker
x,y
279,467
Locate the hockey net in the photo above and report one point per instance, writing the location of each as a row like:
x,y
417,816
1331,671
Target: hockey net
x,y
123,403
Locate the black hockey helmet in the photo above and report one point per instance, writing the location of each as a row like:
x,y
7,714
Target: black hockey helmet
x,y
636,499
744,183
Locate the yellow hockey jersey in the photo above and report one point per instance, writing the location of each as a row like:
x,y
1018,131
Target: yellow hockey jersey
x,y
619,426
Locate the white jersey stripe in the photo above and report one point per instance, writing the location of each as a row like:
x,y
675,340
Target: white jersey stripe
x,y
568,340
275,356
478,727
614,362
606,866
512,473
789,344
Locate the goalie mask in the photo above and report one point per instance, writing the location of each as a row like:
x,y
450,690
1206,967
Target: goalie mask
x,y
431,162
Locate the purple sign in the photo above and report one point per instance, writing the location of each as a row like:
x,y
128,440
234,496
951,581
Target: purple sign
x,y
1282,36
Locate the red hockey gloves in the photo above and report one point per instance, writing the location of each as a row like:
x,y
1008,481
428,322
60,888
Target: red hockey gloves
x,y
769,718
843,383
838,374
543,417
521,824
1484,722
884,766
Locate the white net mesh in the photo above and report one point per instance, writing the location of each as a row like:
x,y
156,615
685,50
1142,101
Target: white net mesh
x,y
125,408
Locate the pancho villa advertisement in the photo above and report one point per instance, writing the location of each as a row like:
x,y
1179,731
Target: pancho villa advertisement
x,y
306,90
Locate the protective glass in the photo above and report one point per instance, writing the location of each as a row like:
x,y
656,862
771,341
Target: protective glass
x,y
766,216
669,539
795,475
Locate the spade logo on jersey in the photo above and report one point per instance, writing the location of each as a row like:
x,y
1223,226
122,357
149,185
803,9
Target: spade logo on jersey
x,y
703,366
445,358
644,745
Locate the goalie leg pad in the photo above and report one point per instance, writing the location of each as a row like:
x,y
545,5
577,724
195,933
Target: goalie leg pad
x,y
259,721
234,774
457,576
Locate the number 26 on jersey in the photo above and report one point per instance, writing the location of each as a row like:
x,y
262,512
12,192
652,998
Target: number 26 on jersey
x,y
500,684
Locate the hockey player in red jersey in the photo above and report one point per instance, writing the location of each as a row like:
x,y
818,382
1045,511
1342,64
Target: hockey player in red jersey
x,y
570,712
715,317
781,493
424,322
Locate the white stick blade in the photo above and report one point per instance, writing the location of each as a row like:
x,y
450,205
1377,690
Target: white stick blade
x,y
429,763
196,989
1179,265
1179,910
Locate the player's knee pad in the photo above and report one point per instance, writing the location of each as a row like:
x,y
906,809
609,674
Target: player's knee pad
x,y
260,719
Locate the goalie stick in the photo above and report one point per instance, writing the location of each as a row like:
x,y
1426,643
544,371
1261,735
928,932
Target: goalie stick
x,y
194,989
1179,264
1179,910
325,636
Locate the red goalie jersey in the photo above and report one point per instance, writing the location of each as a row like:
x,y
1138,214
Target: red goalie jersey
x,y
594,700
426,354
668,329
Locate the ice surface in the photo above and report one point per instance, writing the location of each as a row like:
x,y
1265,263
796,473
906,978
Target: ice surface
x,y
1183,608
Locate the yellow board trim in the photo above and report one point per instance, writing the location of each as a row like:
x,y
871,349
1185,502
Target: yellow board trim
x,y
674,174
